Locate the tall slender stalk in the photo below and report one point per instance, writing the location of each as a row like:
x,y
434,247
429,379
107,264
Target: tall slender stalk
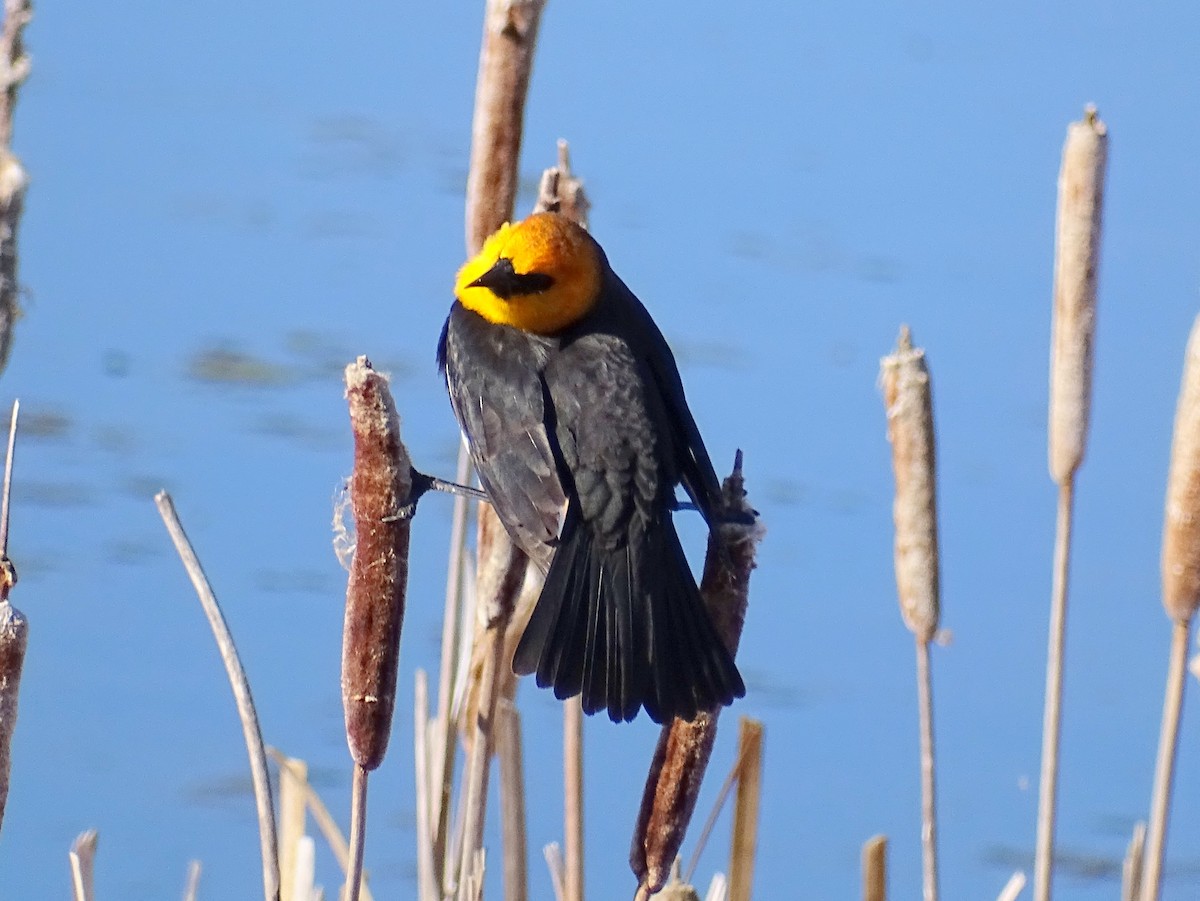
x,y
908,396
1076,266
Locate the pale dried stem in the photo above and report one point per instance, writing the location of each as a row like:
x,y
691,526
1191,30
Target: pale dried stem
x,y
908,397
305,872
1164,769
321,816
358,832
426,882
573,796
745,810
1076,266
191,889
554,863
292,806
1043,862
929,859
1012,888
8,471
83,864
512,802
241,692
1181,522
731,779
874,868
442,762
1131,867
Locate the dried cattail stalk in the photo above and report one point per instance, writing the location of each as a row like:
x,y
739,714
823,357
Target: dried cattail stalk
x,y
379,487
908,396
1181,529
874,868
510,30
14,69
684,748
1076,264
745,810
251,732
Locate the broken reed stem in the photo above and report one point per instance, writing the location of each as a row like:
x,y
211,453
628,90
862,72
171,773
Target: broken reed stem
x,y
874,868
908,396
191,889
292,805
14,69
6,497
554,863
320,813
745,809
929,862
510,29
83,864
683,751
1131,867
1012,888
512,802
358,830
1076,266
573,796
241,693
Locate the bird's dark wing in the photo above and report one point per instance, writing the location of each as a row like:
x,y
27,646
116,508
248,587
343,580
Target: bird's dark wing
x,y
696,472
492,375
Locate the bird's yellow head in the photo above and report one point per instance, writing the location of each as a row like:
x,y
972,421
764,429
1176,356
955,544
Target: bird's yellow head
x,y
540,275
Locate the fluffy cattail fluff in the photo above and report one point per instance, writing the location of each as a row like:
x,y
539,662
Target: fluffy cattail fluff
x,y
1181,529
1076,263
380,484
908,397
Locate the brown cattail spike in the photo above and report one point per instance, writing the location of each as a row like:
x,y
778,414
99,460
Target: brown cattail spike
x,y
1181,529
1076,263
379,487
908,397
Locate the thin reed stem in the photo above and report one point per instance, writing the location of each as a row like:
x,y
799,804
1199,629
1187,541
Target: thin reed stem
x,y
745,810
1043,864
358,832
1164,769
929,859
1012,888
874,868
573,796
426,884
268,841
1131,867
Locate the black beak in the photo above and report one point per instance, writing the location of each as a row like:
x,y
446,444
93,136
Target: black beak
x,y
505,282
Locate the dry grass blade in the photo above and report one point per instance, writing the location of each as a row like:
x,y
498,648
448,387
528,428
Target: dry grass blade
x,y
1012,888
321,816
1131,867
874,868
683,751
292,806
83,865
14,66
745,810
241,692
191,889
1076,265
512,801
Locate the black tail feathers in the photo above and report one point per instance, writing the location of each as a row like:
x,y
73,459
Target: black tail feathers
x,y
625,627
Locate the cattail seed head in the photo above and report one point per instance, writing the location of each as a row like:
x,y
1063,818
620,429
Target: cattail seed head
x,y
908,397
1181,529
1076,264
380,484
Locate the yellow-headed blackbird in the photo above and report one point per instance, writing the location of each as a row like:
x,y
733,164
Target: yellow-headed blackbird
x,y
572,406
